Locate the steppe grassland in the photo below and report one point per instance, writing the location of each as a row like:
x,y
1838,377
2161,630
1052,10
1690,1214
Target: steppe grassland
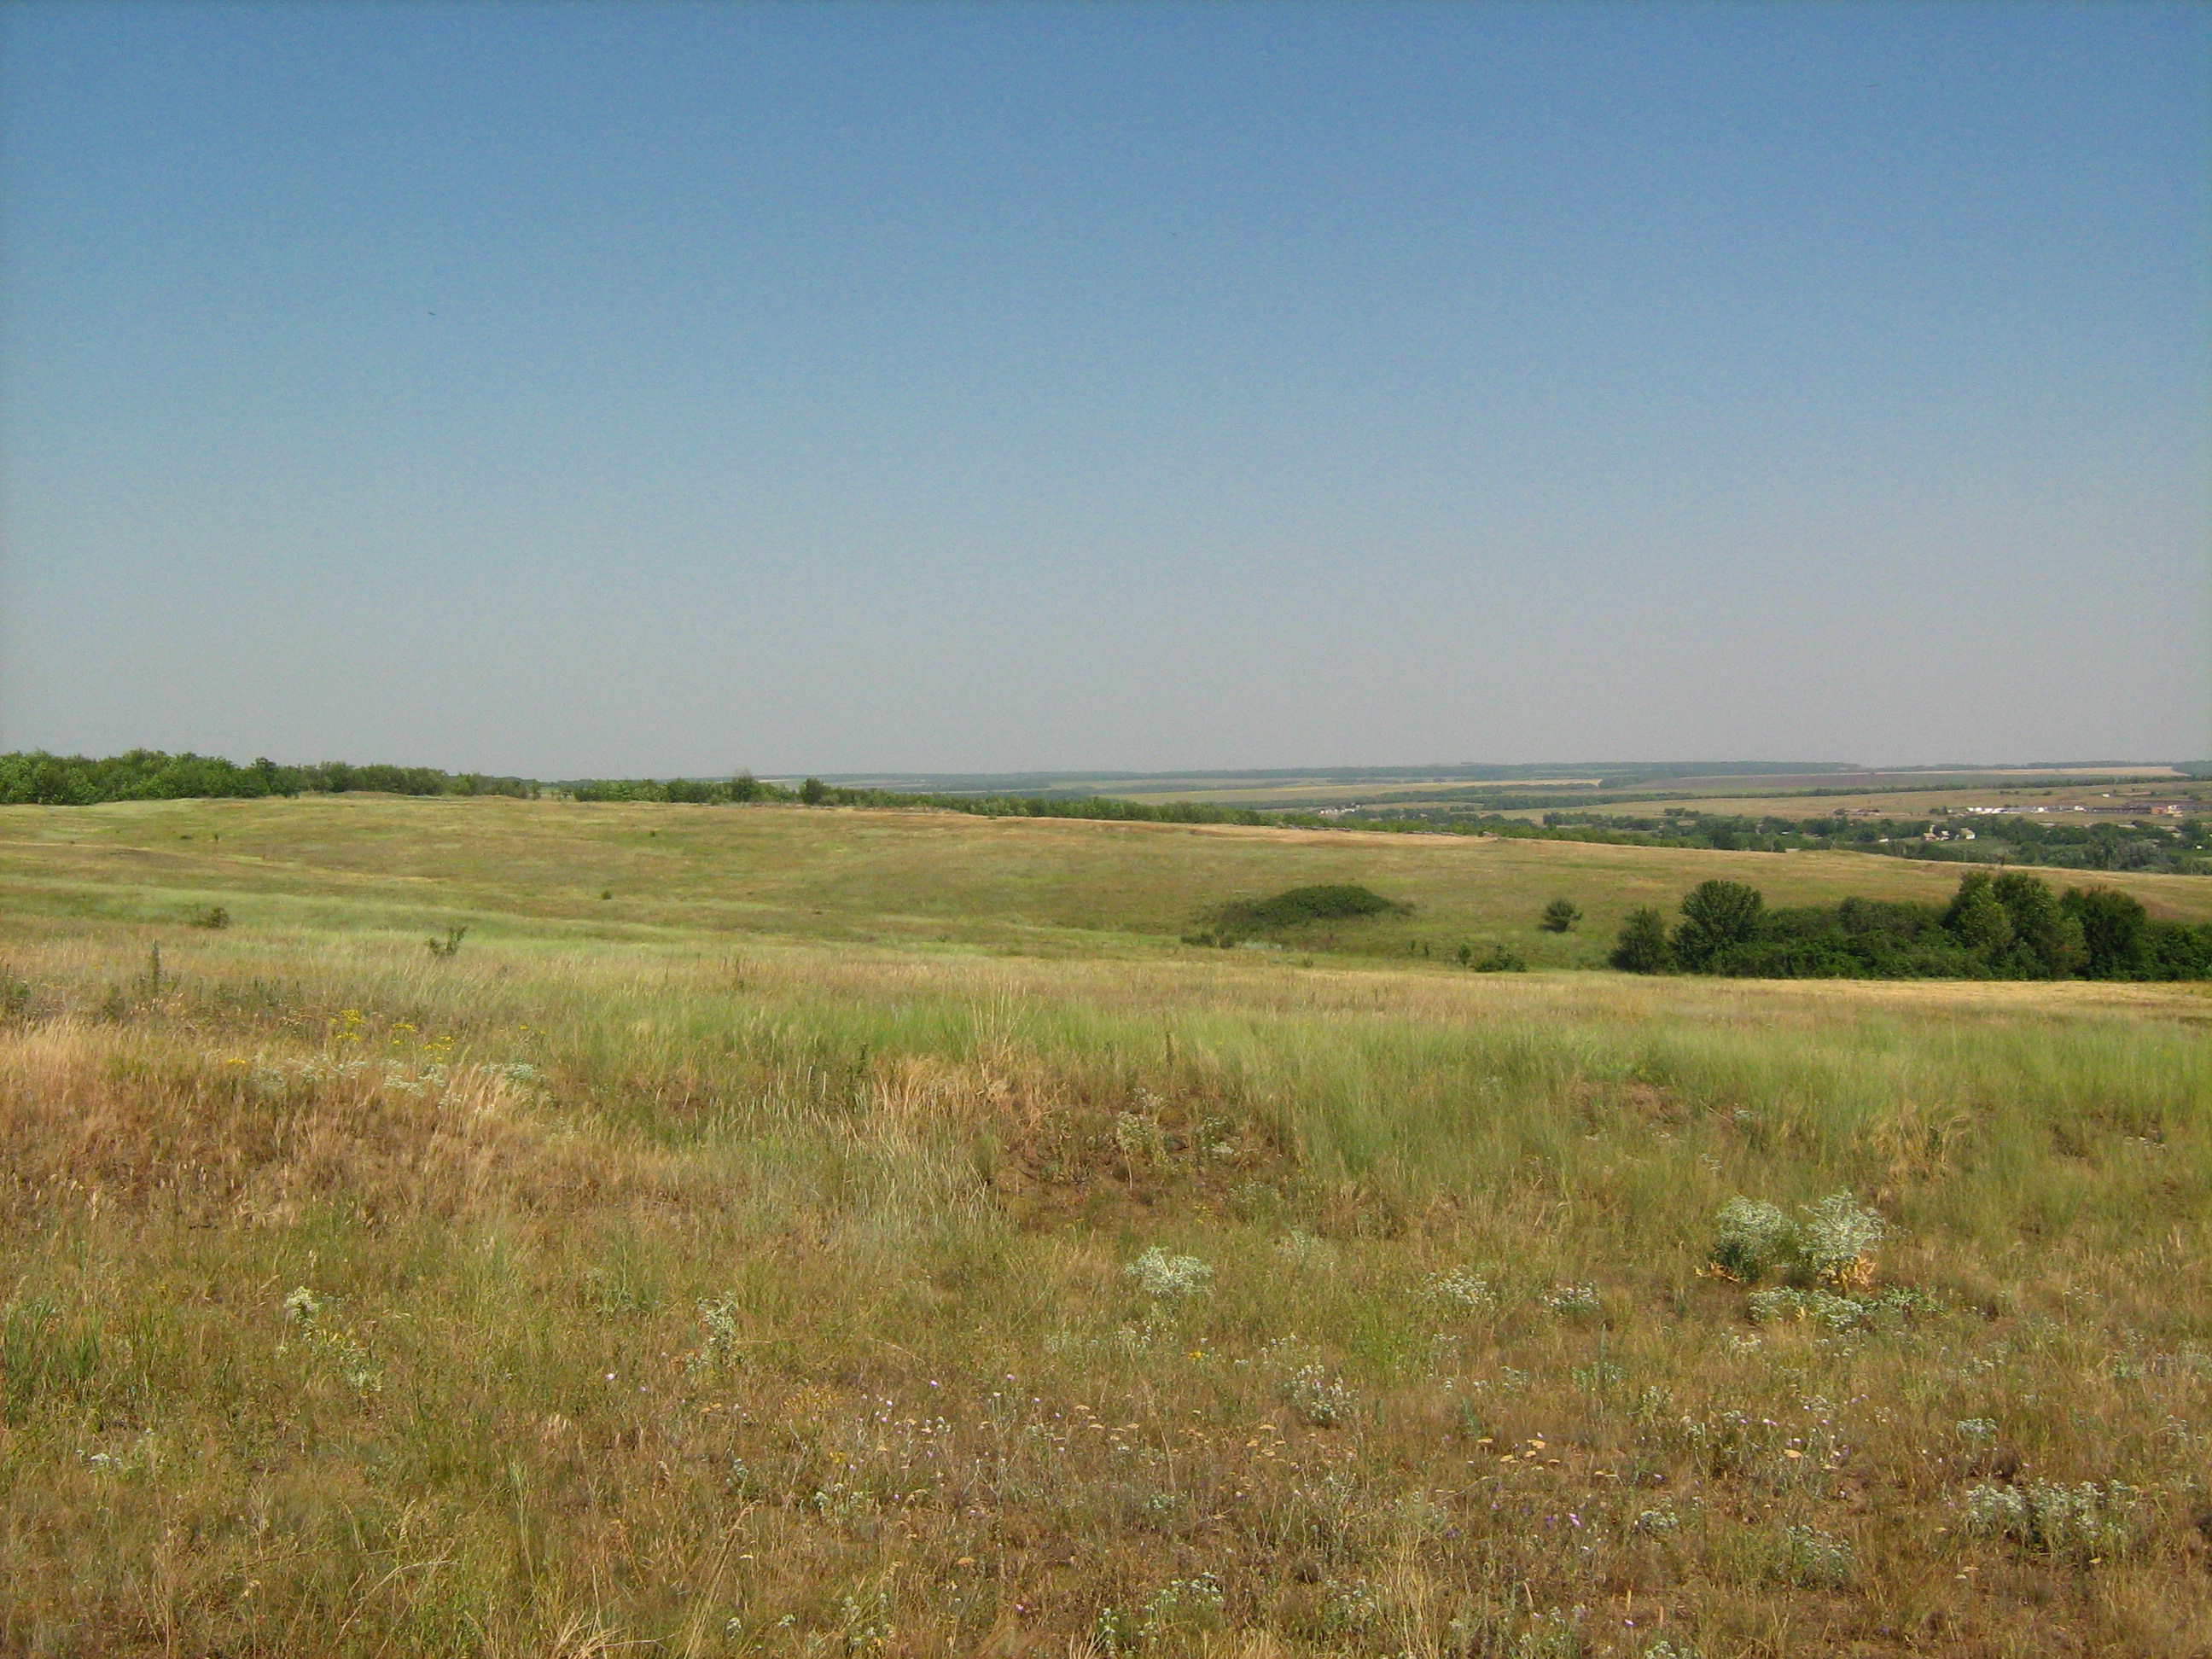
x,y
762,1291
527,870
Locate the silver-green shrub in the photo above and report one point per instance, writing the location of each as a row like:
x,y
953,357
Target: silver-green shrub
x,y
1753,1239
2045,1518
1158,1273
1834,1243
1837,1239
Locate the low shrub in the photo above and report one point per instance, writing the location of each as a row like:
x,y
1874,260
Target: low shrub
x,y
1344,901
1753,1239
2045,1518
1832,1246
1159,1274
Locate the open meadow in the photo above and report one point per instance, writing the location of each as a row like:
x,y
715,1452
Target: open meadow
x,y
772,1230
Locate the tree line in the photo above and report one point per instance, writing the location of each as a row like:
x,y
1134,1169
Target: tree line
x,y
35,778
2009,925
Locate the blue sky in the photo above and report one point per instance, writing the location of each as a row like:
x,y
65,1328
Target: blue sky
x,y
636,389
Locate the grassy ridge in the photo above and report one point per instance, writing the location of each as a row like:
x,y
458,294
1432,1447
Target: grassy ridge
x,y
743,1264
896,877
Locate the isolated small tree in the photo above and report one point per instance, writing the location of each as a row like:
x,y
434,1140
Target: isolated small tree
x,y
1560,915
1642,947
812,792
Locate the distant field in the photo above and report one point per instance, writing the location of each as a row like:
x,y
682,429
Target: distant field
x,y
2108,802
890,877
776,1232
2103,798
1786,794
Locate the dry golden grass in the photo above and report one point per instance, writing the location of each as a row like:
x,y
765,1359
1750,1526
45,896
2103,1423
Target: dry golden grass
x,y
708,1293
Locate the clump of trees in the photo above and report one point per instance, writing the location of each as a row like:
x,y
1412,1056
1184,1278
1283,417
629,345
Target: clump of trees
x,y
689,791
2010,926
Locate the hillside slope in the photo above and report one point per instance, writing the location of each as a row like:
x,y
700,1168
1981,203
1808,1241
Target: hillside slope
x,y
888,876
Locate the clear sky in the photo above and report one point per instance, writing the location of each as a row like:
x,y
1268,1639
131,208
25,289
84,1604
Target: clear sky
x,y
645,389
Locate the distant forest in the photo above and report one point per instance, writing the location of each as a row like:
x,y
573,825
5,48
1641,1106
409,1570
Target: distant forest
x,y
2184,848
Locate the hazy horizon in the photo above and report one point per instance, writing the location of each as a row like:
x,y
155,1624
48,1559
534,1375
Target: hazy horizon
x,y
610,391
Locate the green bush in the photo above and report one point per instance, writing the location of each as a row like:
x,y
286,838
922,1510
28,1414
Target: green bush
x,y
1836,1240
1347,901
1717,916
1834,1245
1753,1239
1642,947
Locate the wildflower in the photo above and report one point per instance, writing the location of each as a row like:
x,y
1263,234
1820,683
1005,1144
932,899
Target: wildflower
x,y
1467,1288
1815,1559
1573,1301
1318,1397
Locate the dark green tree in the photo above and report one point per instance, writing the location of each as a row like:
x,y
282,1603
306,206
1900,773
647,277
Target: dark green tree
x,y
2047,943
1642,947
1717,916
1979,921
1560,915
2114,927
812,792
2174,950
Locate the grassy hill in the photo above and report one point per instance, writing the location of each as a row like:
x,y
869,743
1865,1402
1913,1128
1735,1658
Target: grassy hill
x,y
875,1233
554,869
